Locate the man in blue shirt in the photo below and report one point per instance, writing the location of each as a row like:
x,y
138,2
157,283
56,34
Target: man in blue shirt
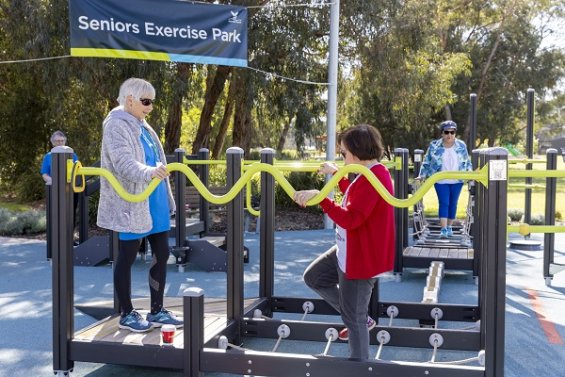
x,y
58,139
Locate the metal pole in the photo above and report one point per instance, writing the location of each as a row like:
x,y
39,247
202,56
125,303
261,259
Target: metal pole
x,y
83,216
48,213
472,141
267,234
405,180
193,308
332,92
417,160
475,192
62,276
234,157
493,313
399,189
180,189
550,196
530,153
204,154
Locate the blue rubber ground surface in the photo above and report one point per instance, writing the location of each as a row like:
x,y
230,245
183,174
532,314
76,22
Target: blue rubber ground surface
x,y
535,313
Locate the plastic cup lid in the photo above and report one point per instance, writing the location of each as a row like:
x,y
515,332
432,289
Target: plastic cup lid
x,y
168,328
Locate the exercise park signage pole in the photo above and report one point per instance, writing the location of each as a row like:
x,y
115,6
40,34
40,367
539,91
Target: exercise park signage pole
x,y
166,30
332,92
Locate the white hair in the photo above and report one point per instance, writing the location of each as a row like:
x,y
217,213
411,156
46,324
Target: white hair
x,y
57,134
137,88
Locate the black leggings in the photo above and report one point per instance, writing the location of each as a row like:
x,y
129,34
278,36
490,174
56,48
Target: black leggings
x,y
157,272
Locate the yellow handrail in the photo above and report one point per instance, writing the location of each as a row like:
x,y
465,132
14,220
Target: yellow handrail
x,y
536,173
525,229
526,161
479,175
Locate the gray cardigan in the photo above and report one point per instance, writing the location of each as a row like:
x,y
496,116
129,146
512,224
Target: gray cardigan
x,y
123,155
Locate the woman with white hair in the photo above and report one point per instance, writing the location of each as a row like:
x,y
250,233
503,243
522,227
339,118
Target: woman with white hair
x,y
132,152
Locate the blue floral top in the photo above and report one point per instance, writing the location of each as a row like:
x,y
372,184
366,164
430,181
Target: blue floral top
x,y
433,159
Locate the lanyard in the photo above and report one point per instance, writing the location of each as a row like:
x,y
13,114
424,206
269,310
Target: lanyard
x,y
346,193
150,143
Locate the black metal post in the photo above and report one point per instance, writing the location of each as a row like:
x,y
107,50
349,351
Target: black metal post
x,y
204,155
474,230
401,214
471,142
193,306
83,216
493,312
479,244
267,230
417,165
550,196
234,238
48,206
530,153
417,161
180,199
405,213
62,242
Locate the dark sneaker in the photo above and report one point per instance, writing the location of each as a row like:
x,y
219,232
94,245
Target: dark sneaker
x,y
164,317
134,322
344,333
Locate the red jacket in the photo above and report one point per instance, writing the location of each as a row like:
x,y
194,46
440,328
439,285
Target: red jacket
x,y
369,223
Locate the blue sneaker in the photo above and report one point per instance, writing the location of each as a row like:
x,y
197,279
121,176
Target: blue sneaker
x,y
443,233
449,231
164,317
134,322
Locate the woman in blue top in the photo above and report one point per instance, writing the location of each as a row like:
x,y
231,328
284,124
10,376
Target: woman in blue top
x,y
446,154
132,152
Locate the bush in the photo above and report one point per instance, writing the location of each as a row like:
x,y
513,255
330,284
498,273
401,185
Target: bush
x,y
515,214
19,223
299,181
558,215
218,175
537,220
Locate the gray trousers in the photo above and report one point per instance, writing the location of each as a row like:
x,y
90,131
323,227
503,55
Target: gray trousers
x,y
350,297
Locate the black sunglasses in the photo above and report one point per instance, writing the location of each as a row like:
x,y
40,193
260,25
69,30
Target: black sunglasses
x,y
449,132
146,101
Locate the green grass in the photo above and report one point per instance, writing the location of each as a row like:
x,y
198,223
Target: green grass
x,y
14,207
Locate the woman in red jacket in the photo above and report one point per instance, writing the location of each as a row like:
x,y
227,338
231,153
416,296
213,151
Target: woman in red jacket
x,y
345,275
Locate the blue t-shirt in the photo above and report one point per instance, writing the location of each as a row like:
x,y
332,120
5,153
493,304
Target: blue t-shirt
x,y
46,164
159,199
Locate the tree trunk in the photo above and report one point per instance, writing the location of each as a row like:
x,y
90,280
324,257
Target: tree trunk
x,y
240,120
174,117
282,138
222,132
482,80
214,89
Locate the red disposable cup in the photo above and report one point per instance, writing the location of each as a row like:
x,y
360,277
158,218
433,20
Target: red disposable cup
x,y
168,334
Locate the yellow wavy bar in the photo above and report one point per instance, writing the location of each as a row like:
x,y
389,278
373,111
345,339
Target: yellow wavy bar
x,y
479,175
525,229
526,161
536,173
